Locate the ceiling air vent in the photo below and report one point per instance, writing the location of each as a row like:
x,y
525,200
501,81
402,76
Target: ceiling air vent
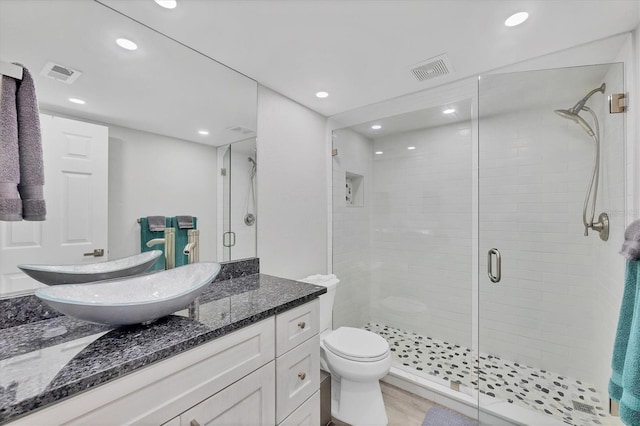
x,y
240,129
60,73
432,68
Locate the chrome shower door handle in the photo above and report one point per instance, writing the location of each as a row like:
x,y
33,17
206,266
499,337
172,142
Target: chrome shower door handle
x,y
494,277
229,239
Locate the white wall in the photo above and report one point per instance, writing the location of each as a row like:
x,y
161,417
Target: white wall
x,y
352,230
152,174
292,190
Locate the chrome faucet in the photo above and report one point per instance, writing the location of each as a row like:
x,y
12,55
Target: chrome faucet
x,y
169,247
155,242
193,255
191,249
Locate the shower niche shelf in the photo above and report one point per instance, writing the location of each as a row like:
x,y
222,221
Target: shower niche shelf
x,y
354,190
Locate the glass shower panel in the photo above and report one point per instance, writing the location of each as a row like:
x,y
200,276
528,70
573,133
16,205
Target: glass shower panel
x,y
548,312
238,200
402,238
242,213
226,205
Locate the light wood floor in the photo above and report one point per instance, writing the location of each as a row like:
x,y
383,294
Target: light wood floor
x,y
403,408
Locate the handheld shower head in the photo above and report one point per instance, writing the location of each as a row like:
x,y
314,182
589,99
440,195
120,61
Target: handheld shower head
x,y
570,115
602,225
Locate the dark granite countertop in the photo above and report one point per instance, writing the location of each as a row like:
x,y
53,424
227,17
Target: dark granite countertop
x,y
45,361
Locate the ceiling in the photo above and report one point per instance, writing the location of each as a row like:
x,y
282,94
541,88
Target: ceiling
x,y
416,120
361,51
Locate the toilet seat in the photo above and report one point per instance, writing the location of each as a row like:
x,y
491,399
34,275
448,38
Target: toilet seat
x,y
356,344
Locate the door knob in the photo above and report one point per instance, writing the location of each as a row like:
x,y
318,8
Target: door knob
x,y
96,253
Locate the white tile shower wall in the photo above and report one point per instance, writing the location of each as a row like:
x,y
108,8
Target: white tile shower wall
x,y
421,233
542,313
351,230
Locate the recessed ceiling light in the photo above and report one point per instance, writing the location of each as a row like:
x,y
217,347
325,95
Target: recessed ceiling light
x,y
516,19
322,95
77,101
379,152
411,147
167,4
203,132
126,44
449,111
376,127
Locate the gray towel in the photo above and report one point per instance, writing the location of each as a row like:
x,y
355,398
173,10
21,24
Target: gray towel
x,y
30,146
185,222
156,223
10,202
631,245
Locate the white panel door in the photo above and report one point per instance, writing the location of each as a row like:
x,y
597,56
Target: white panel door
x,y
76,192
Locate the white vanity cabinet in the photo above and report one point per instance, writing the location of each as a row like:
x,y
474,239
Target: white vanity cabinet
x,y
235,379
298,365
249,401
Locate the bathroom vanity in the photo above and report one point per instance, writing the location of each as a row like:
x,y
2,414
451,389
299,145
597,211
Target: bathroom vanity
x,y
249,354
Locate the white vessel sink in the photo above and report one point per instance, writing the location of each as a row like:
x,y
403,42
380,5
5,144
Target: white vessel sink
x,y
132,300
76,274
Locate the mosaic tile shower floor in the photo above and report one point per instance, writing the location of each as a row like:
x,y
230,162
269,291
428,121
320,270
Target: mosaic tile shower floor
x,y
569,400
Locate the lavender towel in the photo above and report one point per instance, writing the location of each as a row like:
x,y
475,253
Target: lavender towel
x,y
631,246
30,146
10,202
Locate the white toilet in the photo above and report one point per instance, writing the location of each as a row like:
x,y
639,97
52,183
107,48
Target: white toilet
x,y
357,359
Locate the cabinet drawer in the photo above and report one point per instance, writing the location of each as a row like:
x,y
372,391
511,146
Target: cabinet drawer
x,y
297,325
298,376
307,414
249,401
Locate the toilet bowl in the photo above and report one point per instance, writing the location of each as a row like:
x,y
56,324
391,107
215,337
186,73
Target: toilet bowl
x,y
357,359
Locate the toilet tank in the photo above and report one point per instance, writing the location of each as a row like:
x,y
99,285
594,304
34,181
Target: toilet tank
x,y
326,300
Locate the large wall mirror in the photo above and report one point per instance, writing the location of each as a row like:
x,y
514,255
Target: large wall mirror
x,y
167,114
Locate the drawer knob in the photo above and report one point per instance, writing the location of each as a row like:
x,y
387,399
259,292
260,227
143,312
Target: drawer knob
x,y
194,422
301,375
302,324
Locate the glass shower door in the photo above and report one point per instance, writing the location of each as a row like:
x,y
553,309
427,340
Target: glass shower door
x,y
548,295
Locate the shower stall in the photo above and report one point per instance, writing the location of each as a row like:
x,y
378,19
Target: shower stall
x,y
459,235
